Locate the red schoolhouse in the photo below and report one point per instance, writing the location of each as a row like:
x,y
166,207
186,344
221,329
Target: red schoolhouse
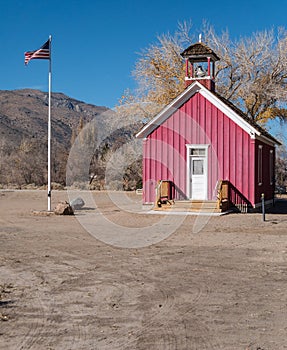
x,y
201,140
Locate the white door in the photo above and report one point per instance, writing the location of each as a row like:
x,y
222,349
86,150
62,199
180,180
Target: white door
x,y
197,173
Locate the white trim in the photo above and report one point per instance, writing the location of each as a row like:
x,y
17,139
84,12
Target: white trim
x,y
260,165
230,113
186,213
196,145
182,98
188,157
206,77
266,140
167,111
195,87
271,167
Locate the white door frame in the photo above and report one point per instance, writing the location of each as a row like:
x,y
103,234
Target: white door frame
x,y
189,157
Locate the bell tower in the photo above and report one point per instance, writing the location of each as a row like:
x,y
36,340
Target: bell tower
x,y
200,65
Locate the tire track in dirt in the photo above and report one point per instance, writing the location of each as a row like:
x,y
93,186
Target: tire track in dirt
x,y
153,310
40,316
35,318
172,335
67,317
155,304
116,302
190,308
144,297
33,337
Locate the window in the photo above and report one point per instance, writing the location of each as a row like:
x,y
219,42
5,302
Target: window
x,y
271,166
197,152
197,166
260,165
197,161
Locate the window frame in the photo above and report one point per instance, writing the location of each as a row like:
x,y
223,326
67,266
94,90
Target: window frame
x,y
260,165
271,166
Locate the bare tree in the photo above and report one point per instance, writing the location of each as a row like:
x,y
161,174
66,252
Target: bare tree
x,y
5,150
160,75
281,169
30,165
252,71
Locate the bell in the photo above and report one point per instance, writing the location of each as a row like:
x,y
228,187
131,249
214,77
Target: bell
x,y
199,72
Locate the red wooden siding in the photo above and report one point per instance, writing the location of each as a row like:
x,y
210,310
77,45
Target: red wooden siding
x,y
231,151
267,187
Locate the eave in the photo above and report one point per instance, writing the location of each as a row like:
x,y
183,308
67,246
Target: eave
x,y
191,90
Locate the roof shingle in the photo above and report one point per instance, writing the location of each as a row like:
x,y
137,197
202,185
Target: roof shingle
x,y
199,50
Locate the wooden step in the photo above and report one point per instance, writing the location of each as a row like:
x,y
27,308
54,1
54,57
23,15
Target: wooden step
x,y
195,206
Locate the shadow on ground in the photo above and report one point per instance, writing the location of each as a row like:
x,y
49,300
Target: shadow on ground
x,y
280,207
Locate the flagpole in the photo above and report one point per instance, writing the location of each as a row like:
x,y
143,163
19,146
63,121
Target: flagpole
x,y
49,130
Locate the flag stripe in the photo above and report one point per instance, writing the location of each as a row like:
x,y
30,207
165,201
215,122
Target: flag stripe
x,y
42,53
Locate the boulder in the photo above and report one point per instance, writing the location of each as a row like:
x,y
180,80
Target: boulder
x,y
77,203
63,208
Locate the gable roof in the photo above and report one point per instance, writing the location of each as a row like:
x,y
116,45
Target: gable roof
x,y
252,122
225,106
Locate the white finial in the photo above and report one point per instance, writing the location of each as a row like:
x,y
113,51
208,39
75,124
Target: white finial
x,y
200,37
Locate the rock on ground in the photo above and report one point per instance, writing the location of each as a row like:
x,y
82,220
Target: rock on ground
x,y
63,208
77,203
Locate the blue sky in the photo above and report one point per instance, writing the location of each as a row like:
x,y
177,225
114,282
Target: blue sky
x,y
96,43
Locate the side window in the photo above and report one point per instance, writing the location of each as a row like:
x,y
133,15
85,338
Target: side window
x,y
260,165
271,166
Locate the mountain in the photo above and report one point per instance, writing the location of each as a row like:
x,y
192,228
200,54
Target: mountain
x,y
23,131
23,139
24,115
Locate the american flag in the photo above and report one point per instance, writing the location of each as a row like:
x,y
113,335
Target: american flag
x,y
41,54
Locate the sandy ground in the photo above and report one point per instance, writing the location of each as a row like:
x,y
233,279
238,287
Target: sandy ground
x,y
79,283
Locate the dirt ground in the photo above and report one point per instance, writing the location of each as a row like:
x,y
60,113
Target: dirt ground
x,y
218,283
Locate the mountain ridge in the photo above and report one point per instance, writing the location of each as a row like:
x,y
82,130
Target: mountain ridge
x,y
24,113
23,132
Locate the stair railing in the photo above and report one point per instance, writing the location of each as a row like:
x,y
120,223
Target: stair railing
x,y
223,195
